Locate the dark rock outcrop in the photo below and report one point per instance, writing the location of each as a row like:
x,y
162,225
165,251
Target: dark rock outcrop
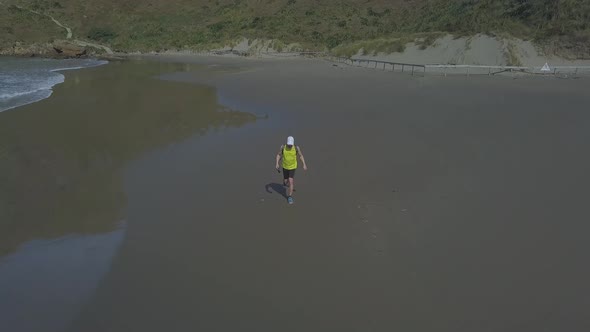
x,y
30,50
57,49
68,50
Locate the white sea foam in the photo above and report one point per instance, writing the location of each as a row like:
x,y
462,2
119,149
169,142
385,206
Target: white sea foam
x,y
24,81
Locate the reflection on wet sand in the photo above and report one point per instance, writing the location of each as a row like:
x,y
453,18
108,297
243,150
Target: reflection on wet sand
x,y
61,159
51,279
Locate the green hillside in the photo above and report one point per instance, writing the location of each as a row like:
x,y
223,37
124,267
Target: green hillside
x,y
315,24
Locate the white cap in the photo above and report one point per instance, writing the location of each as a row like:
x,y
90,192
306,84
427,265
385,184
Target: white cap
x,y
290,140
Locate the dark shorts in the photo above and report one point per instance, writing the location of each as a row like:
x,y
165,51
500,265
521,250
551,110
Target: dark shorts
x,y
288,173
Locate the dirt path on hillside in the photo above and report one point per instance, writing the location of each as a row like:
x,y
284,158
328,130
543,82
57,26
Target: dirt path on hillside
x,y
69,32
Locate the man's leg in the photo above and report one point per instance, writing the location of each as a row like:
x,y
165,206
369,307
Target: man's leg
x,y
291,182
291,186
285,177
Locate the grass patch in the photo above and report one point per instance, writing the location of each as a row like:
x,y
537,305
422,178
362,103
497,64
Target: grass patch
x,y
511,55
102,34
278,46
23,26
426,40
396,44
373,47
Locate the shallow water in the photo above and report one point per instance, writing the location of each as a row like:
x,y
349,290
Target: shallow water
x,y
62,169
24,81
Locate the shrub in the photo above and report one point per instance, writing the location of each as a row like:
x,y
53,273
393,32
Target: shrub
x,y
101,34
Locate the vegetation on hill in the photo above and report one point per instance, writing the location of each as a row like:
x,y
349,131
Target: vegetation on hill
x,y
22,26
314,24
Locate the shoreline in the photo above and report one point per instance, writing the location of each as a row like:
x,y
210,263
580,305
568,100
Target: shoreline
x,y
369,63
446,49
44,92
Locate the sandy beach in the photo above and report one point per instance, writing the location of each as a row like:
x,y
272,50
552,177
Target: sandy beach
x,y
430,203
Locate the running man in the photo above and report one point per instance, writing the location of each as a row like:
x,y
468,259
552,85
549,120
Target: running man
x,y
288,153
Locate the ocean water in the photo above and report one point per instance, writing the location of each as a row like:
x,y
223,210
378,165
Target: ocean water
x,y
25,81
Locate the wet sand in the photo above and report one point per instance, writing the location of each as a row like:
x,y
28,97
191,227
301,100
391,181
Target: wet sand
x,y
63,199
447,204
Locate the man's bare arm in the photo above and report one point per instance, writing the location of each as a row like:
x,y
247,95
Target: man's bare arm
x,y
302,158
278,158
